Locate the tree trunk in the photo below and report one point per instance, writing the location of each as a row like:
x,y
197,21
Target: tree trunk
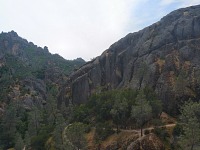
x,y
192,146
117,128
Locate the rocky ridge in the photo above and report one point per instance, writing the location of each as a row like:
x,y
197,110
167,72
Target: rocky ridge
x,y
160,56
29,72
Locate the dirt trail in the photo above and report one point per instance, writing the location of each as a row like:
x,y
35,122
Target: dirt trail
x,y
149,128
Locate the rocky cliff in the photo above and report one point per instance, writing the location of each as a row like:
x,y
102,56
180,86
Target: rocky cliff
x,y
164,56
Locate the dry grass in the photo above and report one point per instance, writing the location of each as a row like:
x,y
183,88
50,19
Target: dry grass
x,y
160,63
121,139
166,119
124,138
90,139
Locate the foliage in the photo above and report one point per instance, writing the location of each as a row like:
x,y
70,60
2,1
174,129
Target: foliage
x,y
8,127
103,130
35,119
75,135
178,130
58,131
19,144
118,106
81,113
119,111
32,125
190,122
161,133
38,141
141,112
106,105
154,102
156,122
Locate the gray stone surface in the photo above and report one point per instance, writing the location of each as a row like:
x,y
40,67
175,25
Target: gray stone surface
x,y
153,57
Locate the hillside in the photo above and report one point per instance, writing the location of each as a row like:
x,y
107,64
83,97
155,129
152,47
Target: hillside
x,y
163,56
28,71
141,93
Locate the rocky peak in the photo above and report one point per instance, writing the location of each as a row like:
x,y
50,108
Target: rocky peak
x,y
27,71
157,56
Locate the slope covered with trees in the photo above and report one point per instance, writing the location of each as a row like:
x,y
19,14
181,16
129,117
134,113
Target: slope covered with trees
x,y
30,78
115,101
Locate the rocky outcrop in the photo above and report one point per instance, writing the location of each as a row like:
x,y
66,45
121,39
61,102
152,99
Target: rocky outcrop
x,y
160,56
148,142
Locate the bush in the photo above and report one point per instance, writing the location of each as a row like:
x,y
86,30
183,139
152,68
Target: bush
x,y
103,130
87,128
157,122
38,141
178,130
161,133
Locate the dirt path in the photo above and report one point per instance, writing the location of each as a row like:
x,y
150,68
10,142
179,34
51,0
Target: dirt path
x,y
149,128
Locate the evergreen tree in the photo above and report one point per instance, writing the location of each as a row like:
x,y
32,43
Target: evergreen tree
x,y
154,102
142,111
19,143
34,121
190,121
58,132
27,140
8,127
119,111
50,110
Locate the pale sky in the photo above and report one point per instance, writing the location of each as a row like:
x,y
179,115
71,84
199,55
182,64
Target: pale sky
x,y
81,28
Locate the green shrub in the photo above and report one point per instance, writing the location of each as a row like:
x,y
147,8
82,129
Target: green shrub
x,y
103,130
157,122
161,133
178,130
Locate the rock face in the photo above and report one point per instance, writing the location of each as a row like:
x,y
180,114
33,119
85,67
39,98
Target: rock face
x,y
148,142
164,56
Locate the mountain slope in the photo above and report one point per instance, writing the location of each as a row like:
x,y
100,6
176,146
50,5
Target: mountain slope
x,y
163,56
27,71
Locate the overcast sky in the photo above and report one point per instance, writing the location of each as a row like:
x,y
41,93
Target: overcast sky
x,y
81,28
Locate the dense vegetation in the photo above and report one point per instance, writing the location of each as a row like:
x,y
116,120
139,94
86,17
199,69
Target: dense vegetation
x,y
104,111
29,116
30,77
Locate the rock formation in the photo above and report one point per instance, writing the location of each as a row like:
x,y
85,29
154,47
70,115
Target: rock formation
x,y
160,56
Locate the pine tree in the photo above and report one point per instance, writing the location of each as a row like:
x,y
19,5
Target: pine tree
x,y
50,110
58,131
142,111
119,111
19,143
190,121
8,127
27,140
34,121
